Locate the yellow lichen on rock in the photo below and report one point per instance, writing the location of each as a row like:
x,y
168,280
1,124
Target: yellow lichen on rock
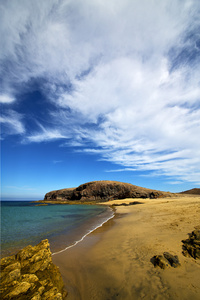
x,y
31,274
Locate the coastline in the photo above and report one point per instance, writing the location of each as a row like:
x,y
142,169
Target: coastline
x,y
93,228
114,261
63,225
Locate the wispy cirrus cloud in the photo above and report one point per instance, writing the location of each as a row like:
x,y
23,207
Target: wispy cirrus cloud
x,y
123,78
12,122
44,134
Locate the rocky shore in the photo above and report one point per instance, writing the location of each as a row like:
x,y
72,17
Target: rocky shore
x,y
31,274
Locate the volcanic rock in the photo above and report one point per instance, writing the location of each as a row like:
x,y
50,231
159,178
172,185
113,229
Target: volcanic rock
x,y
173,259
191,246
30,274
63,194
165,260
160,261
101,191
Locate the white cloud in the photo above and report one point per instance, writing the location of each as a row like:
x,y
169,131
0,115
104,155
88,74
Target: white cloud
x,y
124,77
44,135
12,122
6,99
61,40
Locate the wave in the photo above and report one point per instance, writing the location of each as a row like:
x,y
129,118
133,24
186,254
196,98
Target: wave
x,y
90,231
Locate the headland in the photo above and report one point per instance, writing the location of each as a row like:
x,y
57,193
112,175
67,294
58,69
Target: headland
x,y
101,191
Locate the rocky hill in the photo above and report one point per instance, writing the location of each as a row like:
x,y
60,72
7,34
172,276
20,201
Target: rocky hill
x,y
101,191
194,191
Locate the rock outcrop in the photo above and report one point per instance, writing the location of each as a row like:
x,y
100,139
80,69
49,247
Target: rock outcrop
x,y
165,260
63,194
30,274
191,246
160,261
101,191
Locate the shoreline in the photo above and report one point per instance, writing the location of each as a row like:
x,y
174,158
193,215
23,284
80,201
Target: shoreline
x,y
114,261
84,236
70,234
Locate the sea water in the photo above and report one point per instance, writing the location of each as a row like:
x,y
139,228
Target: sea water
x,y
25,223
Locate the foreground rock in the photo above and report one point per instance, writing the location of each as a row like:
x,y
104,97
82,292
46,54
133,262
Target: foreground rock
x,y
101,191
191,246
172,259
30,274
165,260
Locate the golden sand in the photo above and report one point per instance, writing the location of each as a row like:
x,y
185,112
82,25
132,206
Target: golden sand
x,y
113,262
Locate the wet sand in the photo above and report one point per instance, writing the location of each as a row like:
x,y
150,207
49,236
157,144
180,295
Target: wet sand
x,y
113,262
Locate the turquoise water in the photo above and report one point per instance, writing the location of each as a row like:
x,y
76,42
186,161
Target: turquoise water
x,y
24,223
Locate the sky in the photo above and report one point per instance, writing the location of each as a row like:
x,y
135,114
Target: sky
x,y
99,90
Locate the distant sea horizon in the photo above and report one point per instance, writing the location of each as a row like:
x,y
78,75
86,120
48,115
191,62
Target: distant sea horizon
x,y
25,223
3,199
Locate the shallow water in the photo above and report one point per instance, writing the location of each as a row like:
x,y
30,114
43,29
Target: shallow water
x,y
24,223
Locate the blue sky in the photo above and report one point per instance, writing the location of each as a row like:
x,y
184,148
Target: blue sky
x,y
94,90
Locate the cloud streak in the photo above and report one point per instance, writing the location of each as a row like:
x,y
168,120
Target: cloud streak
x,y
44,134
12,122
123,78
23,188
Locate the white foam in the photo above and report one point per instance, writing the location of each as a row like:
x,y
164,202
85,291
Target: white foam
x,y
68,247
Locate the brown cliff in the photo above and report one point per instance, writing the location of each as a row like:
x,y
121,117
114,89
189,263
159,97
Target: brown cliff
x,y
101,191
30,274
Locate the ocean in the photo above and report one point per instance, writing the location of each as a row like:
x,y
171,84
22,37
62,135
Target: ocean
x,y
25,223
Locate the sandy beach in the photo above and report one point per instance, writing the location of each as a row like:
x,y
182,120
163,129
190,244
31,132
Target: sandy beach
x,y
113,262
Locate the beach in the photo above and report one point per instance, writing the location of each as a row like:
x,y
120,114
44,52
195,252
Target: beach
x,y
114,261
